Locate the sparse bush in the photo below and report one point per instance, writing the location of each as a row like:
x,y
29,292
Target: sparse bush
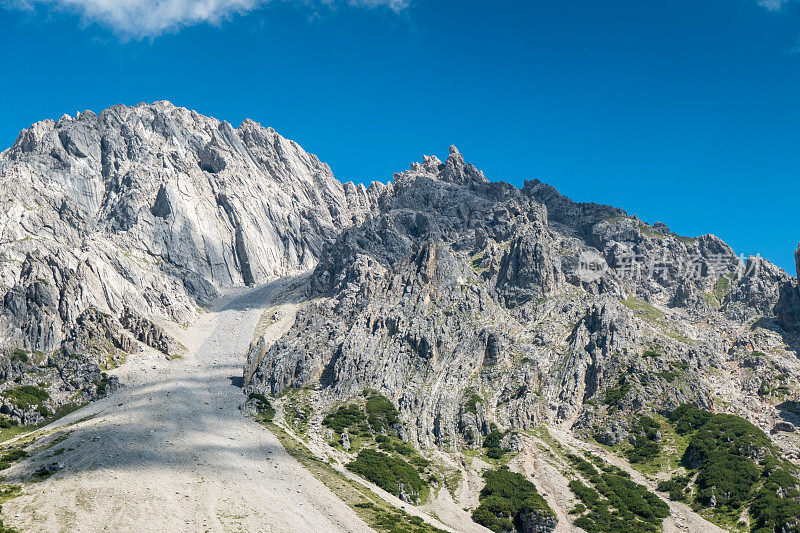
x,y
343,418
27,396
388,473
617,392
504,498
381,413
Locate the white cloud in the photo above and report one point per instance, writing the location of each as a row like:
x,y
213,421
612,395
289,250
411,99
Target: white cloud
x,y
772,5
145,18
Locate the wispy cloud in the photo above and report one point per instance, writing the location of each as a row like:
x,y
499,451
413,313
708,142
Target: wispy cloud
x,y
773,5
148,18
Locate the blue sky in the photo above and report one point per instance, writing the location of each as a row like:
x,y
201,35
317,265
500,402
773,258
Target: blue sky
x,y
686,112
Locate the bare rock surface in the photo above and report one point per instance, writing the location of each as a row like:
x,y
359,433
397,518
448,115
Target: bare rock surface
x,y
472,305
456,288
172,451
145,213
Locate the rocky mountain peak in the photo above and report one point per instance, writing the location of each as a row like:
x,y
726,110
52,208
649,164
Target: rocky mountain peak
x,y
797,261
154,207
454,170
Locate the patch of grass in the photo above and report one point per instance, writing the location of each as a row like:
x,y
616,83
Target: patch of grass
x,y
649,231
723,286
711,299
8,492
505,498
643,309
65,409
297,410
376,512
616,393
27,396
263,406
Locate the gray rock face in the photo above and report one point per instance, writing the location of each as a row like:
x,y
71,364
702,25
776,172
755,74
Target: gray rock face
x,y
153,208
470,303
143,212
533,522
788,306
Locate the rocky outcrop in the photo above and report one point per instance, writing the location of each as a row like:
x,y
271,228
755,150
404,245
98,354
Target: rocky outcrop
x,y
470,304
113,223
534,521
788,305
473,304
154,208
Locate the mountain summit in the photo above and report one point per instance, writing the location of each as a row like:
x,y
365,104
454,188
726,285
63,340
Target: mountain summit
x,y
436,317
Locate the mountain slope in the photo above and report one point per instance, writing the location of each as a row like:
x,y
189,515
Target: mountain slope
x,y
457,285
446,327
110,222
485,312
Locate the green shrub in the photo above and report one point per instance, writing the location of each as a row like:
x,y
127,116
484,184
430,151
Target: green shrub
x,y
617,392
771,512
615,503
469,437
14,454
404,449
505,497
585,468
381,413
724,449
675,487
688,418
644,440
472,404
18,354
27,396
492,444
721,449
101,384
343,418
388,473
668,375
263,406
